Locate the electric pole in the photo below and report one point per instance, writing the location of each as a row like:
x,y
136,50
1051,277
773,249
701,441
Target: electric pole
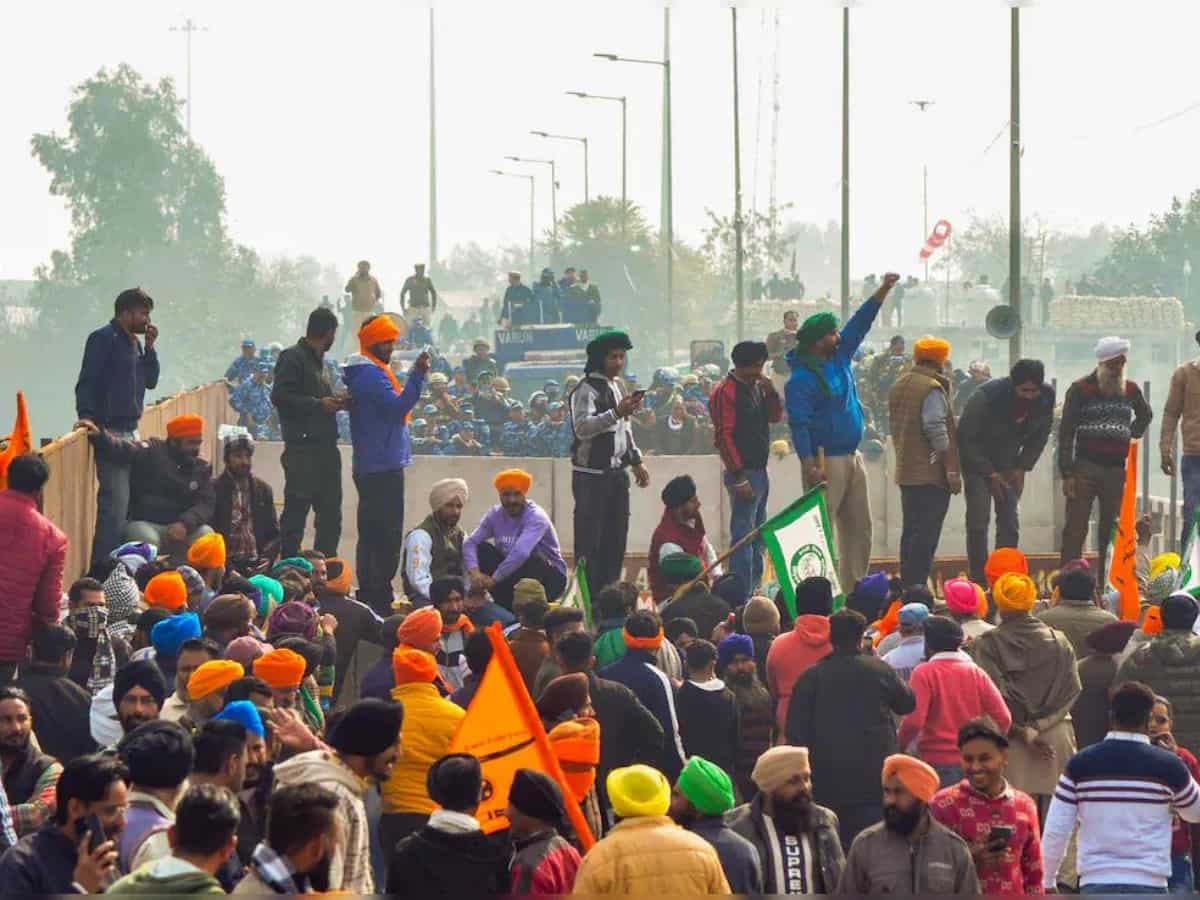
x,y
189,27
433,224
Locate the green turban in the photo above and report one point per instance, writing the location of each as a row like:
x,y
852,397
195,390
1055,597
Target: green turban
x,y
680,567
814,328
292,562
707,787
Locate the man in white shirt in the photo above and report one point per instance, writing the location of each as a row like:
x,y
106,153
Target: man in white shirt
x,y
433,549
910,652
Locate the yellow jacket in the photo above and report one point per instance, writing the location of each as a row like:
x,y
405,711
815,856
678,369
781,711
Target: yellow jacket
x,y
430,722
651,855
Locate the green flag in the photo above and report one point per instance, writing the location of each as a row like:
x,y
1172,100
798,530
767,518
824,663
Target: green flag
x,y
798,539
585,594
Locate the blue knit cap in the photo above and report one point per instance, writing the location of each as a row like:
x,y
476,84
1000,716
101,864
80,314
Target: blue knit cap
x,y
169,634
732,646
245,714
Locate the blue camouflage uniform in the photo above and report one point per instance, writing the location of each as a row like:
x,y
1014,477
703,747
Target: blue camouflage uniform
x,y
243,367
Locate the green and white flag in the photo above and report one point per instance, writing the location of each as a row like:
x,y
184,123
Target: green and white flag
x,y
798,539
1189,578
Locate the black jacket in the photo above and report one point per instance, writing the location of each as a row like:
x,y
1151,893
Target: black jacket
x,y
300,383
989,440
40,863
631,732
165,486
356,622
705,609
262,507
61,711
842,710
432,863
747,820
709,724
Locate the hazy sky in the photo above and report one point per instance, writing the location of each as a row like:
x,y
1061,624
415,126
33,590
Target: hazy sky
x,y
316,114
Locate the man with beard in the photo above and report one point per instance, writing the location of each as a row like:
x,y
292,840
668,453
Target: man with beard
x,y
294,857
170,486
312,465
702,795
797,840
998,822
206,690
193,653
109,395
283,670
365,742
244,510
844,708
681,526
433,549
58,705
30,776
909,852
756,717
139,690
1101,414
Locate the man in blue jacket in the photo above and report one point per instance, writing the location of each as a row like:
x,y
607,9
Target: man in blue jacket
x,y
109,395
826,417
379,412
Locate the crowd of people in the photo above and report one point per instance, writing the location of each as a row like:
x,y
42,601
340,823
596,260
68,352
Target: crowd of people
x,y
213,707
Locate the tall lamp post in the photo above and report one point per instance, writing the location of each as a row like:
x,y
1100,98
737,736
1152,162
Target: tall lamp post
x,y
846,162
739,252
433,223
1014,192
532,270
587,194
668,215
189,27
1187,279
923,105
583,95
553,190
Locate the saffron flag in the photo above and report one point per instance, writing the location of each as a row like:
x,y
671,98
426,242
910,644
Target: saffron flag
x,y
19,442
503,730
798,541
1123,552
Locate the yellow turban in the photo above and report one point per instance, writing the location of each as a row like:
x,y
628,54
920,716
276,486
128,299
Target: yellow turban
x,y
638,791
1162,562
1014,592
207,552
513,480
214,675
934,349
919,777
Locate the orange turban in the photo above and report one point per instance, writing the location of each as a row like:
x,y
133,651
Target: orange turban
x,y
1014,592
166,590
919,777
576,744
513,480
341,584
1153,623
412,666
1002,561
214,675
207,552
889,623
379,330
281,668
186,426
934,349
421,628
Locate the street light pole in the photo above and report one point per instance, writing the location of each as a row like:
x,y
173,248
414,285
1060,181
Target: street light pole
x,y
583,95
553,190
737,190
189,27
532,270
581,140
1014,195
433,224
845,163
923,105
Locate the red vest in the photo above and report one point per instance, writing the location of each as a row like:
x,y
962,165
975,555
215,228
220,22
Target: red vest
x,y
669,531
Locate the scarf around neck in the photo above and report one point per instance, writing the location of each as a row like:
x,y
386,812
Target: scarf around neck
x,y
92,622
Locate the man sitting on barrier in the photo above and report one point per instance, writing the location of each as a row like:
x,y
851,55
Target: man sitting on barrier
x,y
523,544
171,496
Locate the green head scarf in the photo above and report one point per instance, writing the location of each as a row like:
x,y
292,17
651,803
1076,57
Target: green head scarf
x,y
814,328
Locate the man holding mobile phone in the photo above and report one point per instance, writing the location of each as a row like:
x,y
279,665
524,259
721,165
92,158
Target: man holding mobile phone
x,y
998,822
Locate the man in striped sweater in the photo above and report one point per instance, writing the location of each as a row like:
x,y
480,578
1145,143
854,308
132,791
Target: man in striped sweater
x,y
1122,793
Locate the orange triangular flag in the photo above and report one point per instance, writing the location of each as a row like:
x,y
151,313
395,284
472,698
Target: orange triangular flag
x,y
1123,552
502,728
19,442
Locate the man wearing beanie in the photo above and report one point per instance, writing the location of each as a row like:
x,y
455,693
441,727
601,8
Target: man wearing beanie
x,y
825,415
950,689
450,857
702,795
682,526
1075,613
1101,414
760,620
1034,667
909,851
646,852
797,840
743,407
364,742
755,708
543,863
794,653
159,758
927,468
910,651
170,487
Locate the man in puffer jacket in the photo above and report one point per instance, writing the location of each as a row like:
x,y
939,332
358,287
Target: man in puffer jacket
x,y
379,414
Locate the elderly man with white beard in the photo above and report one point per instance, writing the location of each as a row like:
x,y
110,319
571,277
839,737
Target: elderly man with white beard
x,y
1102,413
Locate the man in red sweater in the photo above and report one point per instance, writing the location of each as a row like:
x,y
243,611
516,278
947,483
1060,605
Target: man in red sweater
x,y
33,553
682,526
794,653
950,690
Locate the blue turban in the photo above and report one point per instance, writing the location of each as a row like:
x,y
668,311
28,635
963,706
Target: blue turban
x,y
169,634
734,645
872,588
245,714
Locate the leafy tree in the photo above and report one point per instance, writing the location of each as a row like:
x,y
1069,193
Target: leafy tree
x,y
1151,260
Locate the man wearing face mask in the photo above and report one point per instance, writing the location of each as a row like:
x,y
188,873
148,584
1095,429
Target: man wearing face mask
x,y
797,840
171,490
312,466
909,852
294,857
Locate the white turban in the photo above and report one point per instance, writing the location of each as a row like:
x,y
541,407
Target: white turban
x,y
446,490
1111,347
